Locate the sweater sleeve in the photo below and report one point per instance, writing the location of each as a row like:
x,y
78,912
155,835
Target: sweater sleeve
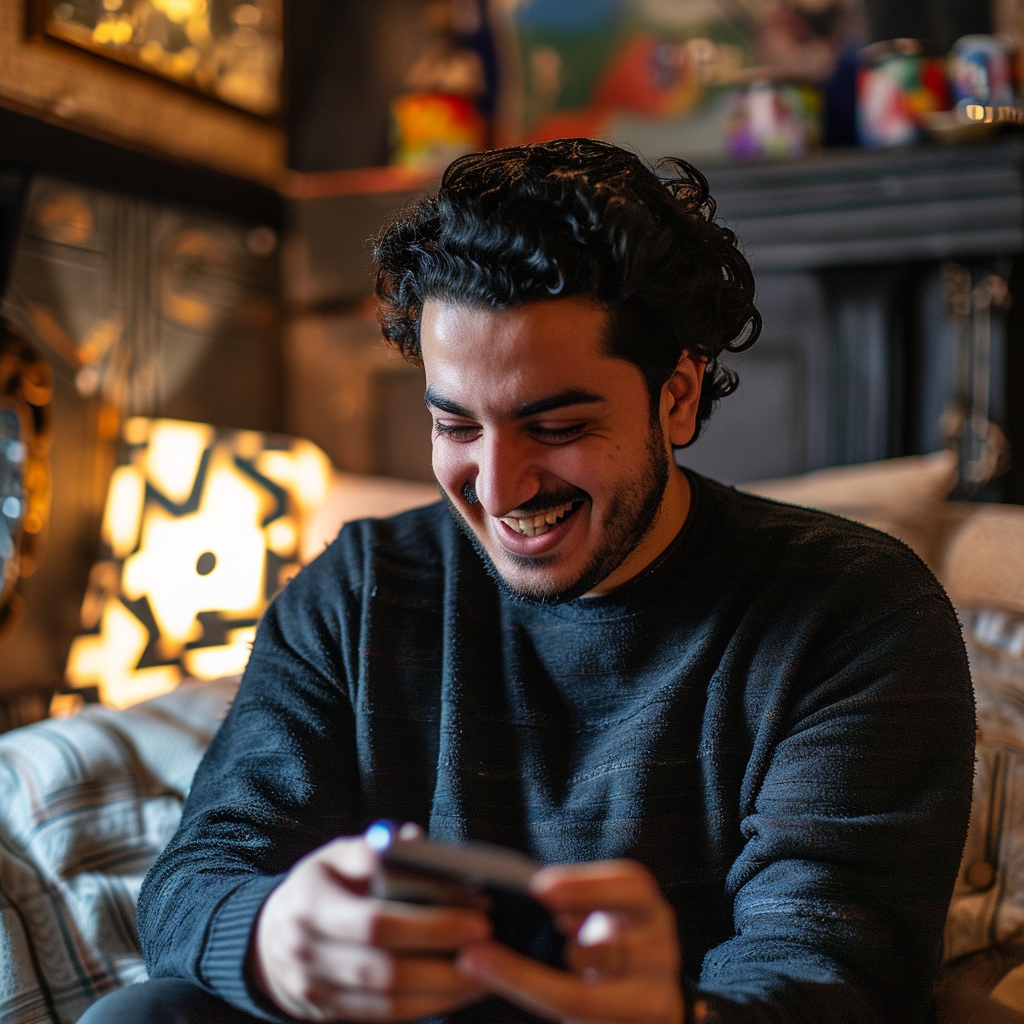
x,y
855,820
259,800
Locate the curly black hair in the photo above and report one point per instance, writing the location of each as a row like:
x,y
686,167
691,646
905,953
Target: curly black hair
x,y
577,217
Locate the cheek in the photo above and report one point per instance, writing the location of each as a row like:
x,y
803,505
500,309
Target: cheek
x,y
589,465
451,466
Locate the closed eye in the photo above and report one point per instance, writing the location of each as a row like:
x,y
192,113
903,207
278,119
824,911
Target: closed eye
x,y
557,435
457,431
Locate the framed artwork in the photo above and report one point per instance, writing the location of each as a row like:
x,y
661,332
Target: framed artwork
x,y
226,49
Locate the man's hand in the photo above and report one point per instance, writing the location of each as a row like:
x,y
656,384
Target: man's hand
x,y
623,955
324,950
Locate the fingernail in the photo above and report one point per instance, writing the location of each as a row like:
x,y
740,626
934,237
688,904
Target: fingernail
x,y
597,928
410,830
471,961
540,883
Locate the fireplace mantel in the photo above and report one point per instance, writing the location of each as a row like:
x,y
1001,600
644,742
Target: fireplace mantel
x,y
857,208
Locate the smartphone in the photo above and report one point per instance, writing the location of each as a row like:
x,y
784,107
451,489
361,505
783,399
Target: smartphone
x,y
481,876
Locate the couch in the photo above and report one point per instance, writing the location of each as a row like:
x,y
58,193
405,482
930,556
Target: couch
x,y
89,801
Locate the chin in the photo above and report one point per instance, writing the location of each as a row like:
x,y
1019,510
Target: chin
x,y
545,587
539,579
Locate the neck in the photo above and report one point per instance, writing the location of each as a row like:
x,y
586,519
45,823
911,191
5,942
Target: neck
x,y
672,513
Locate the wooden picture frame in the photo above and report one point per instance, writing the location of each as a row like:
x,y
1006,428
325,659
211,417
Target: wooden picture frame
x,y
229,50
71,87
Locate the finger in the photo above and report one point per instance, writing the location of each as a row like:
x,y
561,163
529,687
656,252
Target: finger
x,y
559,995
629,955
609,959
335,1004
598,928
350,860
621,885
399,926
597,947
569,923
366,969
612,944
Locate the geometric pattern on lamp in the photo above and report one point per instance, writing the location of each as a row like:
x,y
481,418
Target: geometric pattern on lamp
x,y
200,529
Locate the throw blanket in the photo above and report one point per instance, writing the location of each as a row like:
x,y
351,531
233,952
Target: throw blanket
x,y
87,804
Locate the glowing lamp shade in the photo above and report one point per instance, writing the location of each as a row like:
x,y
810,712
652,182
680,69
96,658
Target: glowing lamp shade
x,y
200,529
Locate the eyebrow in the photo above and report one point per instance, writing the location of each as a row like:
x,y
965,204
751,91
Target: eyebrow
x,y
570,396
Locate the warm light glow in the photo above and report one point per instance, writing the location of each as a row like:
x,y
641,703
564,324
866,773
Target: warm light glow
x,y
108,660
975,112
136,430
248,443
305,471
282,537
210,561
122,515
179,11
143,684
232,52
166,568
226,660
117,32
116,650
173,456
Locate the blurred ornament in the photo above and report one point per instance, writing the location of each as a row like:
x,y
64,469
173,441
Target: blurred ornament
x,y
430,129
982,449
980,71
773,120
451,89
897,89
801,40
26,387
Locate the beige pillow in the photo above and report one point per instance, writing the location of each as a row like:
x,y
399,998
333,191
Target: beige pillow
x,y
354,496
984,562
904,497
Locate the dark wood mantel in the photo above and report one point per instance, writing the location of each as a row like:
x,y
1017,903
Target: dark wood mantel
x,y
857,207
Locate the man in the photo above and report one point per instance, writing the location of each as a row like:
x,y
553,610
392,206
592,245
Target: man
x,y
738,733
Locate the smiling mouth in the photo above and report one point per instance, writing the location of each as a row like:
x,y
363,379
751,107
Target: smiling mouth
x,y
539,524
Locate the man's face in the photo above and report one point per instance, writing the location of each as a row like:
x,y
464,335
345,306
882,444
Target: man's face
x,y
543,443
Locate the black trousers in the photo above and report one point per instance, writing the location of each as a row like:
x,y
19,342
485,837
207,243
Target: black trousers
x,y
173,1001
163,1001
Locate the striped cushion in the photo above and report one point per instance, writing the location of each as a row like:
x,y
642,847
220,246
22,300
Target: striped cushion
x,y
88,802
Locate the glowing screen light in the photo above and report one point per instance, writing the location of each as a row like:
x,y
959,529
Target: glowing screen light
x,y
200,529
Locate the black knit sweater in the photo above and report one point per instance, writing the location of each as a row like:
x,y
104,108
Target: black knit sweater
x,y
777,720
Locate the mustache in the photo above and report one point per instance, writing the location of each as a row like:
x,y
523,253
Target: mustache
x,y
538,503
548,500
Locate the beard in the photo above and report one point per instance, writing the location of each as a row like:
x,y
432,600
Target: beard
x,y
631,514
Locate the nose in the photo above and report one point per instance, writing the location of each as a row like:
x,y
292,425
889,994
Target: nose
x,y
505,474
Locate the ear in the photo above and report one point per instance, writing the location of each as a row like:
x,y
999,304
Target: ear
x,y
680,396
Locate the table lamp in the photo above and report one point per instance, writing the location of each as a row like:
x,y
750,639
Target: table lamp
x,y
200,530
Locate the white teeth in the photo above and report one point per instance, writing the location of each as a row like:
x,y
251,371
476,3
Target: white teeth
x,y
538,524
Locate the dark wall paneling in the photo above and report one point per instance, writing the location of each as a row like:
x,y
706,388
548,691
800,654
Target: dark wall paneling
x,y
776,422
847,251
860,208
329,249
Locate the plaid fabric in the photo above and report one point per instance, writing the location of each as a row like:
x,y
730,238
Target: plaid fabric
x,y
988,901
87,804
